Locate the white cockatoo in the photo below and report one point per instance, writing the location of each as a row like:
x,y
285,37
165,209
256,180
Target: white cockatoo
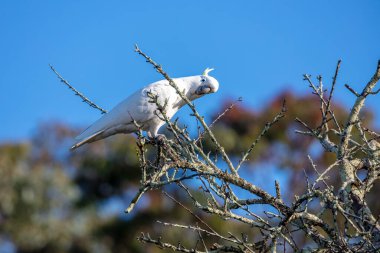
x,y
138,108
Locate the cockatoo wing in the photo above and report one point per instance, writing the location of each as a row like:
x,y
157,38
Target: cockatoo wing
x,y
137,107
122,114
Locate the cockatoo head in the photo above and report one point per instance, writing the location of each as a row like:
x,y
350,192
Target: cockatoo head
x,y
207,84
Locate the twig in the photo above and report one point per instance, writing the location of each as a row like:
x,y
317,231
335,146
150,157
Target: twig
x,y
268,125
192,213
219,117
352,90
333,84
77,93
137,197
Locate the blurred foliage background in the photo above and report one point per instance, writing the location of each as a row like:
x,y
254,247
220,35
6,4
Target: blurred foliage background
x,y
53,200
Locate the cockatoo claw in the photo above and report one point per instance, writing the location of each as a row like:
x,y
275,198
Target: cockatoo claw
x,y
160,139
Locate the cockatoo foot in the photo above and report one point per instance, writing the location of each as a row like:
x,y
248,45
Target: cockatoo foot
x,y
160,139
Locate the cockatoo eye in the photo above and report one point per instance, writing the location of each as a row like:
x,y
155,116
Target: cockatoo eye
x,y
203,80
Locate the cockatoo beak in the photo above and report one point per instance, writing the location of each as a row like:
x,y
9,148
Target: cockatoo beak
x,y
204,89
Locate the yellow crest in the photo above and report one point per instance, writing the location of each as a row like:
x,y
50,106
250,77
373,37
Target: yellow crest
x,y
206,71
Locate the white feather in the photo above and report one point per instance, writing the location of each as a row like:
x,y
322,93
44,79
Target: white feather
x,y
138,108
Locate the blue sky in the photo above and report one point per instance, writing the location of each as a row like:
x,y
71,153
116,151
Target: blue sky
x,y
258,48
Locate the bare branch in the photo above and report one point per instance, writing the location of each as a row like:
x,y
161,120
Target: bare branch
x,y
229,108
77,93
263,132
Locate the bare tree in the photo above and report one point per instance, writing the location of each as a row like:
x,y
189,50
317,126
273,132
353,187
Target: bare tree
x,y
182,160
